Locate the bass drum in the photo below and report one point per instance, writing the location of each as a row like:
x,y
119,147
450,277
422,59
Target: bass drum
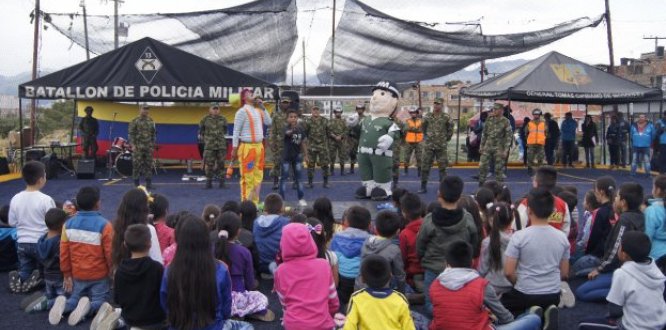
x,y
123,164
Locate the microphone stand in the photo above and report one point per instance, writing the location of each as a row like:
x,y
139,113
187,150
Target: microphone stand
x,y
109,152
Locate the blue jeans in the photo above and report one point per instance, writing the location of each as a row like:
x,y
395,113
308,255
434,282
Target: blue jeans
x,y
522,322
297,166
428,278
589,156
53,289
97,291
595,290
585,264
641,155
28,259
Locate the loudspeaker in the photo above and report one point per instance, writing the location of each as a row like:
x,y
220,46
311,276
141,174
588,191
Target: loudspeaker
x,y
34,154
85,169
52,165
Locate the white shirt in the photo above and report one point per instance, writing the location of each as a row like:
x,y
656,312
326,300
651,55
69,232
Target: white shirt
x,y
242,128
639,289
26,212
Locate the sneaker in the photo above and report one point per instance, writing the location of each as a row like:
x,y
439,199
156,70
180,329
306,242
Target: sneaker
x,y
29,299
80,312
551,318
302,203
536,310
102,312
37,305
15,282
268,316
32,282
567,298
111,321
55,314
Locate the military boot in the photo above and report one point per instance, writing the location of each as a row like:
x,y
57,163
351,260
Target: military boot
x,y
275,183
406,170
351,168
342,169
209,184
149,184
325,182
309,185
424,188
222,185
395,182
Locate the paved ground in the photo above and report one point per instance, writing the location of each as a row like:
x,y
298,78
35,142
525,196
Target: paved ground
x,y
187,195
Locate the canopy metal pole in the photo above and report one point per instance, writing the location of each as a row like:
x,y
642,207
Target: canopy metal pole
x,y
458,131
85,28
21,130
35,57
332,54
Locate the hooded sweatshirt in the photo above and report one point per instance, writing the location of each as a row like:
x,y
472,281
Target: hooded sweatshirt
x,y
137,291
304,283
629,221
655,227
48,250
408,248
439,228
347,245
460,298
386,248
639,288
267,232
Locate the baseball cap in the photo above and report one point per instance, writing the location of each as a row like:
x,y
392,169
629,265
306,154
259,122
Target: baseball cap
x,y
498,105
536,112
214,105
285,99
337,110
438,100
360,105
413,110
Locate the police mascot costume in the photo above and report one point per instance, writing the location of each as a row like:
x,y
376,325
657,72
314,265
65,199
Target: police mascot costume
x,y
375,148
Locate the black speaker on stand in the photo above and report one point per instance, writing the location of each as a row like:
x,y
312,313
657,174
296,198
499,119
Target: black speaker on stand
x,y
85,169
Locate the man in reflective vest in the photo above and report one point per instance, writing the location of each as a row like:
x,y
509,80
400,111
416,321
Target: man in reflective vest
x,y
537,131
413,138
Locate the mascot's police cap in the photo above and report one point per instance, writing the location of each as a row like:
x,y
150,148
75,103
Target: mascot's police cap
x,y
536,112
388,86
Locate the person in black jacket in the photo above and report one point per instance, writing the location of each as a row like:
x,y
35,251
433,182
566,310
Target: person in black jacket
x,y
589,140
613,140
522,132
137,283
552,138
627,203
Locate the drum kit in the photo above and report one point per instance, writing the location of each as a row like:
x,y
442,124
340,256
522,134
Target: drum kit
x,y
120,157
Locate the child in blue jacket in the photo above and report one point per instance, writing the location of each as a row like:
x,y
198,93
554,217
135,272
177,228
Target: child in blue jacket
x,y
642,134
267,232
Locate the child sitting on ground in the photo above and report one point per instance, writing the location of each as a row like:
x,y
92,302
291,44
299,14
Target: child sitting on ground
x,y
590,206
209,214
48,249
635,298
244,300
536,261
494,246
319,236
347,245
159,208
377,306
387,226
655,219
627,203
8,254
463,300
85,264
26,213
267,232
446,223
304,283
136,285
412,207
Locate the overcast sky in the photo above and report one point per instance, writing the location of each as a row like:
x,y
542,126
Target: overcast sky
x,y
632,20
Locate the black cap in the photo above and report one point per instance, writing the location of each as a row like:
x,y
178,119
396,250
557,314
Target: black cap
x,y
388,86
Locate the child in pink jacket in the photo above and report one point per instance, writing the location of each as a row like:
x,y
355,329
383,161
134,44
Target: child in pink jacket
x,y
304,283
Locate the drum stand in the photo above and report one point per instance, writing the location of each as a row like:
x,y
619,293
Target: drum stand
x,y
109,153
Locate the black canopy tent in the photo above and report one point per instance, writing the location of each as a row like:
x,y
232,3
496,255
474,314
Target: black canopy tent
x,y
556,78
142,71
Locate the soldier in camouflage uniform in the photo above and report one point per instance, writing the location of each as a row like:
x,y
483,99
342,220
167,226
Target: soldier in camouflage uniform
x,y
89,128
495,143
337,133
211,131
142,138
354,135
276,138
397,149
438,130
316,131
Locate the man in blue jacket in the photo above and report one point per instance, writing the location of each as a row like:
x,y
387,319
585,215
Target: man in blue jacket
x,y
568,134
642,134
661,135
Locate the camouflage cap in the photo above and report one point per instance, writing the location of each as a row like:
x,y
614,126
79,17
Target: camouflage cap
x,y
438,100
498,105
215,105
314,107
285,99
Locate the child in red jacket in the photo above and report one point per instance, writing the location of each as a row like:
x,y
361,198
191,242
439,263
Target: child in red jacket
x,y
412,208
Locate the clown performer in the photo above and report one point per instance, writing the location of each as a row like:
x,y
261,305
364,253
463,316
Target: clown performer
x,y
247,144
375,154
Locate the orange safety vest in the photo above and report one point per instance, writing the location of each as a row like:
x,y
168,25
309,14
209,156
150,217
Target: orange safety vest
x,y
413,137
536,133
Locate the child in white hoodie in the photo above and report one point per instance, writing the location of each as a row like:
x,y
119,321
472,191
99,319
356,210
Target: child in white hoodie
x,y
635,299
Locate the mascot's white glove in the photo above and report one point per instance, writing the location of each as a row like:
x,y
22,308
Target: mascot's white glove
x,y
385,141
